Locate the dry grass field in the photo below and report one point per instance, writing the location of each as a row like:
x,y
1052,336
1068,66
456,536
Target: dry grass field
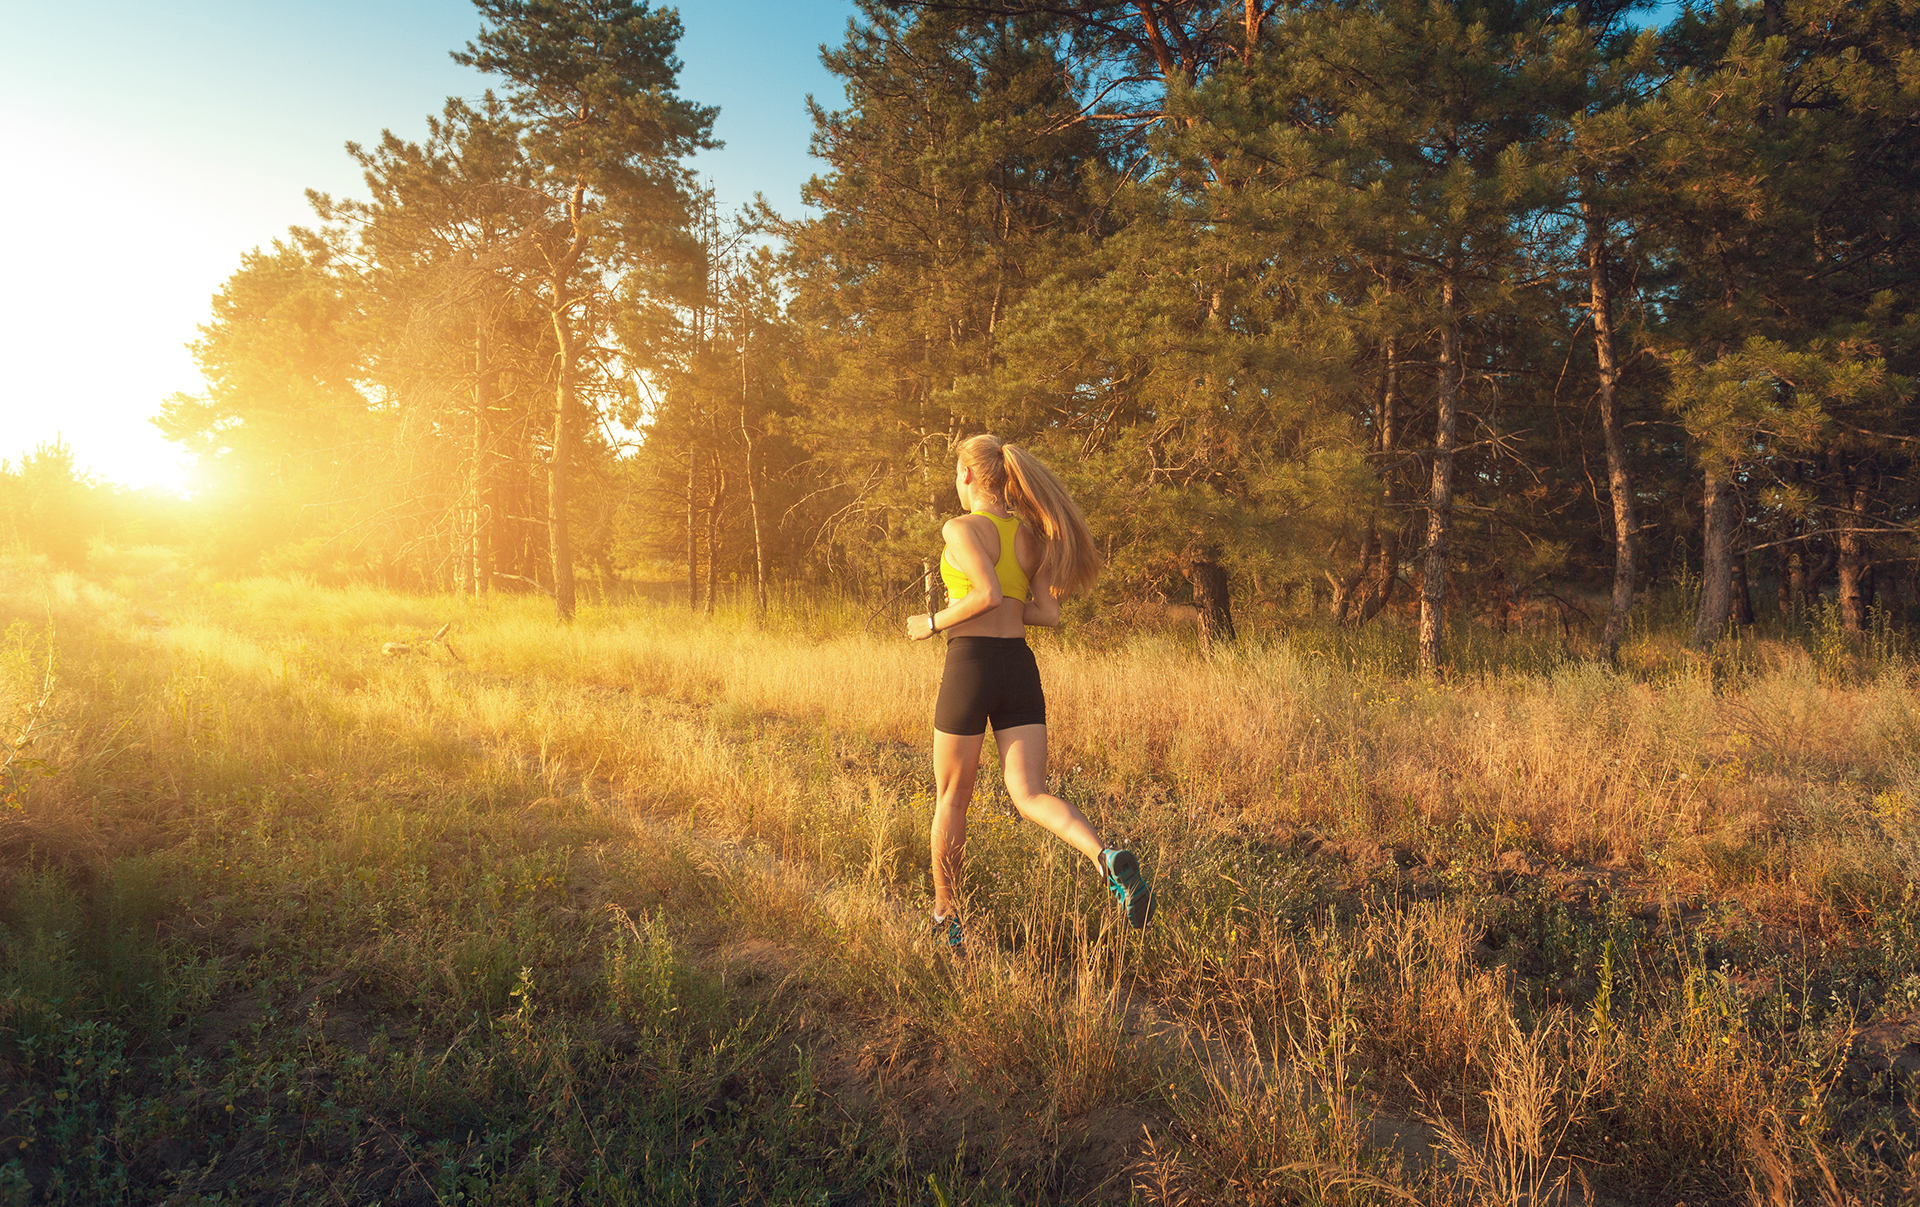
x,y
632,911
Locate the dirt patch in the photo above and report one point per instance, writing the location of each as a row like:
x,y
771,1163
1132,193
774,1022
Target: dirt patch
x,y
1884,1058
751,962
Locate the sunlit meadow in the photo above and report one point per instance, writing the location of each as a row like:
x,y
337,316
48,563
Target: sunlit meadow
x,y
633,910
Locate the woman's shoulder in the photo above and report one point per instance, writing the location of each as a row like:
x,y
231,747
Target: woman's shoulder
x,y
971,524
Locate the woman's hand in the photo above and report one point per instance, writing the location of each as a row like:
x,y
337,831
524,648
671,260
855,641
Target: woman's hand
x,y
919,626
1043,607
1042,611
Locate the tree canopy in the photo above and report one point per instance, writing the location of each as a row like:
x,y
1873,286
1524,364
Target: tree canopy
x,y
1405,307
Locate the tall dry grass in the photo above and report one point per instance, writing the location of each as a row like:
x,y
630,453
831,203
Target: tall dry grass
x,y
1579,761
1284,1016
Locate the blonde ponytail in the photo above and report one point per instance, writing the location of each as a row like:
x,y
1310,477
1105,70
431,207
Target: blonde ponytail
x,y
1068,558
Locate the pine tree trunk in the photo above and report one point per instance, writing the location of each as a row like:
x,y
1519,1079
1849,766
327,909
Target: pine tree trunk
x,y
753,491
753,510
1212,602
1341,600
1385,574
1742,594
704,310
539,533
1346,589
1619,482
1716,570
1500,596
1855,565
560,461
482,460
713,530
559,543
1817,573
462,551
1433,584
693,528
1386,568
931,587
529,537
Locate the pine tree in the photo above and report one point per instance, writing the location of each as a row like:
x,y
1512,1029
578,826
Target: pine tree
x,y
444,250
593,82
954,183
1784,155
1388,156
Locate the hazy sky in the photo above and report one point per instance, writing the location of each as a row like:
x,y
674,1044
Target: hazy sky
x,y
149,144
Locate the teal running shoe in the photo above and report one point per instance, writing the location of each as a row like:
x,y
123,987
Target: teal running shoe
x,y
1127,885
946,931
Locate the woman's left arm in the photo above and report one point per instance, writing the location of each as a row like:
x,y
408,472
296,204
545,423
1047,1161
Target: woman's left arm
x,y
963,550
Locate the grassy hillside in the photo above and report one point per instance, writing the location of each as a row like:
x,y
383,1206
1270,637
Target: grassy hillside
x,y
633,911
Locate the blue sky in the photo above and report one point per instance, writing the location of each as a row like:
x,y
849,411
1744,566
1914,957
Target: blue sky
x,y
150,144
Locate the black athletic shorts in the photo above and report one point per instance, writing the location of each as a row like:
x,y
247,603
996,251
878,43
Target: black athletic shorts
x,y
989,679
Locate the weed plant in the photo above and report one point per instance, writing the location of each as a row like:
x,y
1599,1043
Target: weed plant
x,y
633,910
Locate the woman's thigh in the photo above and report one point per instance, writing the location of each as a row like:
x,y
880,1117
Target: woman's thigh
x,y
956,761
1023,759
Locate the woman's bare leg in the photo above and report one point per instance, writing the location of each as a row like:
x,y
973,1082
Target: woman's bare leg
x,y
1023,761
956,763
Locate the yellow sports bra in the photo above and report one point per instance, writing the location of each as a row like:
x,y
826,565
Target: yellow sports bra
x,y
1013,580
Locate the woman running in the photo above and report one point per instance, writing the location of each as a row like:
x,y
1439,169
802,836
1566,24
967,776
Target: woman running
x,y
1002,575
